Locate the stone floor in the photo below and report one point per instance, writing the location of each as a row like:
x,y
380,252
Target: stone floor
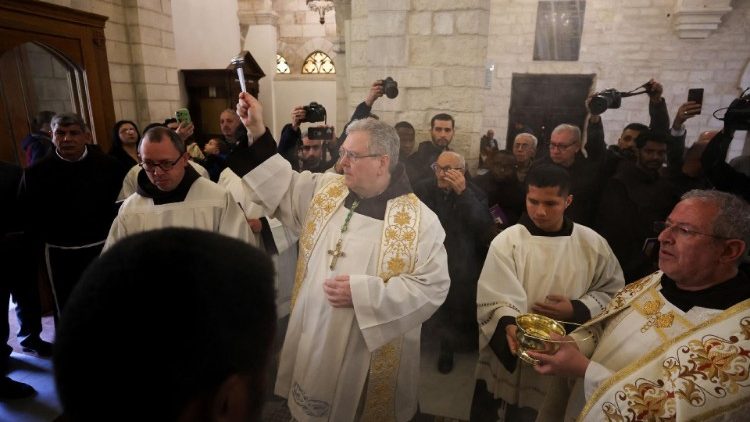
x,y
442,397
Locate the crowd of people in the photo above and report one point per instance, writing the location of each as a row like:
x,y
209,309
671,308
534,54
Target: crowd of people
x,y
639,249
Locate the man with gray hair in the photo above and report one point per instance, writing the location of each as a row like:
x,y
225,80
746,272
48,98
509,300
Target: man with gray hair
x,y
68,200
524,149
564,150
371,269
171,193
673,345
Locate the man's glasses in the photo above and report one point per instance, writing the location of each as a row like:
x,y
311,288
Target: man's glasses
x,y
163,165
521,146
437,169
660,226
353,156
560,147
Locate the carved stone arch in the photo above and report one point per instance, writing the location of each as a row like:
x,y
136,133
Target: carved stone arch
x,y
314,44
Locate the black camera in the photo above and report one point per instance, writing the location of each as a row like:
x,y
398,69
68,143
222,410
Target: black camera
x,y
737,116
324,133
390,87
314,113
601,101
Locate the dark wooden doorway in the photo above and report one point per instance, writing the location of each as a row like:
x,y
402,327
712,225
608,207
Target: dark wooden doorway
x,y
76,40
543,101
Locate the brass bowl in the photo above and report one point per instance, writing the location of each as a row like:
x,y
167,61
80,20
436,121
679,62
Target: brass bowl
x,y
534,334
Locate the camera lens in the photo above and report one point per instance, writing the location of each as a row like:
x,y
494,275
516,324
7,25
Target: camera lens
x,y
390,87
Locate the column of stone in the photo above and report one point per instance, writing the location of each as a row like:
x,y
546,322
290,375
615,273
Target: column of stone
x,y
261,41
436,50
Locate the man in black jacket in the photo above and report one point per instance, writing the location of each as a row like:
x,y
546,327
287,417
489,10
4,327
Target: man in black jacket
x,y
463,213
441,131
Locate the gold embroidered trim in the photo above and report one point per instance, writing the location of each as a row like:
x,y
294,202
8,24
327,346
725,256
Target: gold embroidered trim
x,y
398,254
709,355
323,205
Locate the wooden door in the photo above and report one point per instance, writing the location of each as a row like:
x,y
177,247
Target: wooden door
x,y
542,102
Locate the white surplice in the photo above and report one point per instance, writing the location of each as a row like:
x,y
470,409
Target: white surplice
x,y
522,269
326,354
207,206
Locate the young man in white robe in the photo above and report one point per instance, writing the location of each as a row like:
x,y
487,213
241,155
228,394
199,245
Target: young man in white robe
x,y
545,264
170,193
372,268
674,345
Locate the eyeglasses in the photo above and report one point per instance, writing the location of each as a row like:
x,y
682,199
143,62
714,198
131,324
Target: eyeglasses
x,y
561,147
163,165
660,226
521,146
353,156
436,168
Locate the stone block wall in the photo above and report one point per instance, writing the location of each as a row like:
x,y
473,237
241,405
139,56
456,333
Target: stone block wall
x,y
300,32
624,44
435,50
140,49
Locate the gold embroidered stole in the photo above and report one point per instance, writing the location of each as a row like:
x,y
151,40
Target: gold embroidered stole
x,y
695,376
398,254
322,207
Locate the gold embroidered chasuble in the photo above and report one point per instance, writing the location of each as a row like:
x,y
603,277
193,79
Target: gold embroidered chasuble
x,y
667,364
361,362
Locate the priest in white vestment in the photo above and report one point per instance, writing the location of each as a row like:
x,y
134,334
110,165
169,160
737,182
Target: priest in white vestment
x,y
372,268
674,345
130,182
545,264
170,193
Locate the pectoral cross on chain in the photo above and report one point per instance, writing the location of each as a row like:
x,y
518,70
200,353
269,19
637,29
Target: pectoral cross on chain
x,y
335,254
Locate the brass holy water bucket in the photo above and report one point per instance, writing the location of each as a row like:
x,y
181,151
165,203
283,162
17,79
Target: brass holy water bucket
x,y
534,334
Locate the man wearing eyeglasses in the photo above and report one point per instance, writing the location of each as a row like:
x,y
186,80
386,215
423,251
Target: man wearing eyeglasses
x,y
69,203
674,345
462,209
372,268
564,150
171,193
524,148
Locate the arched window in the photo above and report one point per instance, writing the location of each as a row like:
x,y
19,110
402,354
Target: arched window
x,y
318,62
281,64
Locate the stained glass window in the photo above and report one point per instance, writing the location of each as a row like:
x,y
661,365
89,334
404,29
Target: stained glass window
x,y
318,62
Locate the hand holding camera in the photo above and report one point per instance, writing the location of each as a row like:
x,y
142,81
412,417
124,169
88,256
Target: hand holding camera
x,y
298,115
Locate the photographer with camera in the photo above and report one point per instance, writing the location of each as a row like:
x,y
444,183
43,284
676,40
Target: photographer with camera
x,y
723,176
610,157
291,135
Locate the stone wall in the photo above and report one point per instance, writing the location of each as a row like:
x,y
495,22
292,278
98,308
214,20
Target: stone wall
x,y
300,32
435,49
140,48
624,44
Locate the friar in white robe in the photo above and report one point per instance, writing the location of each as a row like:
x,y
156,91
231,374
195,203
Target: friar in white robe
x,y
674,345
177,196
536,266
372,269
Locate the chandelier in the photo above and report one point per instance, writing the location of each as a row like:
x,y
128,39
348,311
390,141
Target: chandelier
x,y
320,6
